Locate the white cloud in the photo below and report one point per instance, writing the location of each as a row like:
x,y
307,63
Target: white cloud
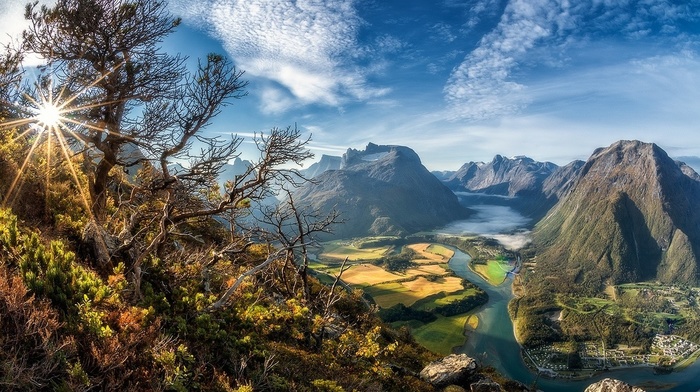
x,y
485,85
12,23
306,46
480,87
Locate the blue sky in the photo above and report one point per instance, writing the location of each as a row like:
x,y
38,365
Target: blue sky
x,y
456,80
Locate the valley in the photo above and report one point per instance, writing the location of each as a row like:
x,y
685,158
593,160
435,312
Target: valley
x,y
409,296
591,266
412,285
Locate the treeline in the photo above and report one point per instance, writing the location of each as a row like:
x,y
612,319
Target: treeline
x,y
401,312
463,305
375,242
398,262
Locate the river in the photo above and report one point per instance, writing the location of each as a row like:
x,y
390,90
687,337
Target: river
x,y
493,343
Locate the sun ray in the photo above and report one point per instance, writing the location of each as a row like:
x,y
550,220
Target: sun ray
x,y
20,174
48,168
64,148
49,116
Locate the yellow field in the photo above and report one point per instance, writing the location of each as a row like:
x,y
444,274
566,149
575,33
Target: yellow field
x,y
368,275
340,250
409,292
400,295
428,269
472,322
431,253
424,287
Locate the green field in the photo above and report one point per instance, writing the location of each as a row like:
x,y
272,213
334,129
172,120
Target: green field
x,y
443,334
494,271
425,286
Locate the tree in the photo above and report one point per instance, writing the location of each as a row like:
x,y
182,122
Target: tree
x,y
117,92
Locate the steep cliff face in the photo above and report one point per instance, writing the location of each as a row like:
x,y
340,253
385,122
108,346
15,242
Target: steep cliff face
x,y
382,190
562,180
631,215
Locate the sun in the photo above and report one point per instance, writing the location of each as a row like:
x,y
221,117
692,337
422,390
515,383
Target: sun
x,y
48,115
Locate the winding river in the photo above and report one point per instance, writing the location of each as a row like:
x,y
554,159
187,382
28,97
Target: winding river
x,y
494,344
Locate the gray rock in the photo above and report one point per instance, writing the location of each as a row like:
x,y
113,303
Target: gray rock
x,y
485,385
453,369
612,385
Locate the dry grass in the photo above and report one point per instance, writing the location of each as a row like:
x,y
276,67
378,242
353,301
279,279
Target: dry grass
x,y
431,253
425,287
369,275
428,269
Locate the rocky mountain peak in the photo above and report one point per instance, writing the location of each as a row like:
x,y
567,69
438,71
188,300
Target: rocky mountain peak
x,y
327,162
373,153
382,190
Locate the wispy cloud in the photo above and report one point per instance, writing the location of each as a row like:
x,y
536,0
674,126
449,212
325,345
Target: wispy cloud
x,y
305,47
486,84
481,86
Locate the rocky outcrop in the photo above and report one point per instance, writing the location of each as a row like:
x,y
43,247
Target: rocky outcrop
x,y
455,369
612,385
485,385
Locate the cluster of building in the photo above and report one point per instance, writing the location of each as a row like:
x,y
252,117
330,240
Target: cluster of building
x,y
673,347
666,350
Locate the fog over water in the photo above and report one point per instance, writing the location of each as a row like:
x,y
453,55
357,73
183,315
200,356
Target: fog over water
x,y
501,223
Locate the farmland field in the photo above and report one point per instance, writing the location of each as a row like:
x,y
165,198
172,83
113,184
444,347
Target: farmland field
x,y
424,283
339,250
443,334
494,271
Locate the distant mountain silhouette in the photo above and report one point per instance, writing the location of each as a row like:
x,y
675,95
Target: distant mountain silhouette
x,y
517,182
327,162
632,214
382,190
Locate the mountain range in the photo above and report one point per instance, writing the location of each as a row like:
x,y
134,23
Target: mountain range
x,y
626,214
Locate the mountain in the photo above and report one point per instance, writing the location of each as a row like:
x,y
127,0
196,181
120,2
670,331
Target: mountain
x,y
327,162
230,170
631,215
503,176
691,161
517,182
560,182
382,190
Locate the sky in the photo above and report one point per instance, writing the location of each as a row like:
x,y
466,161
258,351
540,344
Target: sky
x,y
455,80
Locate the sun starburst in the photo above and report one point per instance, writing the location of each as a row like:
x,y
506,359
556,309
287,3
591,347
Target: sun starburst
x,y
49,122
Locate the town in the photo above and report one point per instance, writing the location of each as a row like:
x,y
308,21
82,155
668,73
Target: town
x,y
667,351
